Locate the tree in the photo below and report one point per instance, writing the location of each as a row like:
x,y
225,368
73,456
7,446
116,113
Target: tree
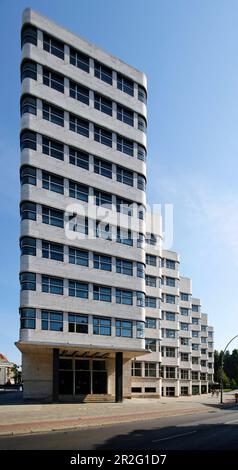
x,y
16,374
230,367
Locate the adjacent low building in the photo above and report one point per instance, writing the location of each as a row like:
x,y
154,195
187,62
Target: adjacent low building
x,y
101,305
6,374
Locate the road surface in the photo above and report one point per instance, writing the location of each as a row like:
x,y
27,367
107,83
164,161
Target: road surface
x,y
213,430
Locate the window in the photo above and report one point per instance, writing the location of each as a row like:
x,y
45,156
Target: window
x,y
103,199
184,357
150,281
150,344
169,316
125,115
141,182
28,175
101,326
140,299
203,363
140,240
184,326
103,136
203,351
103,230
28,140
78,191
141,123
104,294
195,321
150,302
28,35
184,374
124,267
78,224
203,339
184,296
124,328
136,369
124,297
195,347
102,262
51,320
184,341
79,92
103,168
54,46
194,375
78,125
170,264
142,96
77,256
78,289
170,281
125,145
170,373
124,236
141,153
150,369
28,318
78,323
195,308
102,104
102,72
28,246
52,182
52,217
203,328
169,299
140,329
151,260
125,84
28,105
28,70
53,114
210,344
151,240
79,158
140,270
168,333
184,391
124,206
136,389
150,322
53,80
125,176
184,311
52,285
194,360
53,148
28,281
28,210
170,352
210,334
52,251
79,59
195,334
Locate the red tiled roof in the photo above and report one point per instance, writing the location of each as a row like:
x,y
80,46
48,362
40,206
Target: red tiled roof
x,y
3,358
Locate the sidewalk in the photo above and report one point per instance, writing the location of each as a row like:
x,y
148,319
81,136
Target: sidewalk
x,y
22,418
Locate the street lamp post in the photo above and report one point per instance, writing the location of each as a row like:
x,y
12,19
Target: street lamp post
x,y
222,365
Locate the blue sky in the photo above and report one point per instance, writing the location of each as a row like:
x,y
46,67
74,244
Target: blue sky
x,y
189,51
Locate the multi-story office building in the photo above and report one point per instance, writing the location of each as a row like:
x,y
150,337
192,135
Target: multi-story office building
x,y
85,293
176,333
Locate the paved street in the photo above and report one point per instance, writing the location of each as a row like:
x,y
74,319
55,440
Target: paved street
x,y
212,430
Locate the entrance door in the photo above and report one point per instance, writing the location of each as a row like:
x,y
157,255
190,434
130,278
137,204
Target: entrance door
x,y
99,377
82,377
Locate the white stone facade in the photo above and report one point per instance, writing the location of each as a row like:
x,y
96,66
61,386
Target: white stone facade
x,y
83,141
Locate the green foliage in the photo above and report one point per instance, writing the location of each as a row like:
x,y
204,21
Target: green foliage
x,y
230,368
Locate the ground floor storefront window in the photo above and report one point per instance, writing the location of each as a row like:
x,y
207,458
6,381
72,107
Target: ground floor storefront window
x,y
82,376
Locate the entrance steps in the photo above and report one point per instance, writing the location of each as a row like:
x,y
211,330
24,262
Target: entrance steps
x,y
97,398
